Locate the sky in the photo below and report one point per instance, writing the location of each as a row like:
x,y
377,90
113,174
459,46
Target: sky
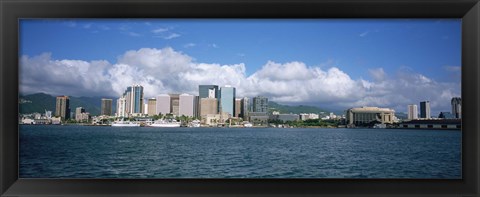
x,y
330,63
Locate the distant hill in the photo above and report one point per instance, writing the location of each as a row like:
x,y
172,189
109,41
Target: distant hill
x,y
40,102
286,109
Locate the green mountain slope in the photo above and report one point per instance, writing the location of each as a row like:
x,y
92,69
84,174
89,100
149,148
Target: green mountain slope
x,y
286,109
40,102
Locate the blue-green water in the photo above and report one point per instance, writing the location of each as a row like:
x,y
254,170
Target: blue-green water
x,y
106,152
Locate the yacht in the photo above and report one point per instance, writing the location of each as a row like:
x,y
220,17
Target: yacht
x,y
165,123
194,123
125,124
247,124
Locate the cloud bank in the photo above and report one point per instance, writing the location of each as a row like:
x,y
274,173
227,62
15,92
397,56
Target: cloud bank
x,y
169,71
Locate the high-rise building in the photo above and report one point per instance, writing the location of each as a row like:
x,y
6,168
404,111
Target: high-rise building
x,y
122,107
412,112
457,107
208,106
238,107
187,105
260,104
133,97
227,100
62,107
137,99
245,108
205,91
174,104
425,109
78,113
152,106
106,107
163,104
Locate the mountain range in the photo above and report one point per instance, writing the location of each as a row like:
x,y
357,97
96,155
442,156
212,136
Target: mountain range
x,y
40,102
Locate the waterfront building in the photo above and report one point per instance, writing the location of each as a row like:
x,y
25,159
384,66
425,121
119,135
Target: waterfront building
x,y
106,107
62,107
258,118
432,124
227,100
174,104
137,100
260,104
152,107
425,109
78,113
367,115
457,107
285,117
133,102
208,106
187,105
163,104
211,119
305,116
412,112
238,107
245,108
208,91
121,107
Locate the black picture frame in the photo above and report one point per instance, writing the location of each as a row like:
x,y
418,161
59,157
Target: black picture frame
x,y
12,10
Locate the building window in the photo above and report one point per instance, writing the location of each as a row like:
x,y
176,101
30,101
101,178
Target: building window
x,y
444,126
430,126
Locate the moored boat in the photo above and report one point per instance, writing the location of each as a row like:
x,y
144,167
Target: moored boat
x,y
125,124
165,123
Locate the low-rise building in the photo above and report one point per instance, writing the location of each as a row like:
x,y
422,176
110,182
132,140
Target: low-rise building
x,y
367,115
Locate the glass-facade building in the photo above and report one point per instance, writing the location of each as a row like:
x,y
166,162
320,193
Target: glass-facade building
x,y
227,100
204,89
425,109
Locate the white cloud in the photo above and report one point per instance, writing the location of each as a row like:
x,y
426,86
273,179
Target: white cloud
x,y
364,34
171,36
167,70
189,45
159,30
133,34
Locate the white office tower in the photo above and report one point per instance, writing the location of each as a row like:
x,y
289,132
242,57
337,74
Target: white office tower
x,y
412,112
187,105
163,104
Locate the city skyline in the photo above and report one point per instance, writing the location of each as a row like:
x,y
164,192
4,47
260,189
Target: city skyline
x,y
320,63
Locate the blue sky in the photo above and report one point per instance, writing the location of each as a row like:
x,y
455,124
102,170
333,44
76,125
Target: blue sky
x,y
361,49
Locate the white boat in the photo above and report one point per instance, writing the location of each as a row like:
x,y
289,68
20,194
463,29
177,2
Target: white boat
x,y
125,124
247,124
165,123
194,123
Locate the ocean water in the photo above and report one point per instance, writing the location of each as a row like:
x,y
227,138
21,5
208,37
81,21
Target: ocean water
x,y
54,151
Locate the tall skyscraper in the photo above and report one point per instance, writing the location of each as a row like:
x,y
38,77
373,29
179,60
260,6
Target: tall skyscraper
x,y
425,109
412,112
260,104
106,107
227,100
187,105
133,98
163,104
137,100
203,91
62,107
152,106
245,108
174,103
238,107
457,107
122,107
